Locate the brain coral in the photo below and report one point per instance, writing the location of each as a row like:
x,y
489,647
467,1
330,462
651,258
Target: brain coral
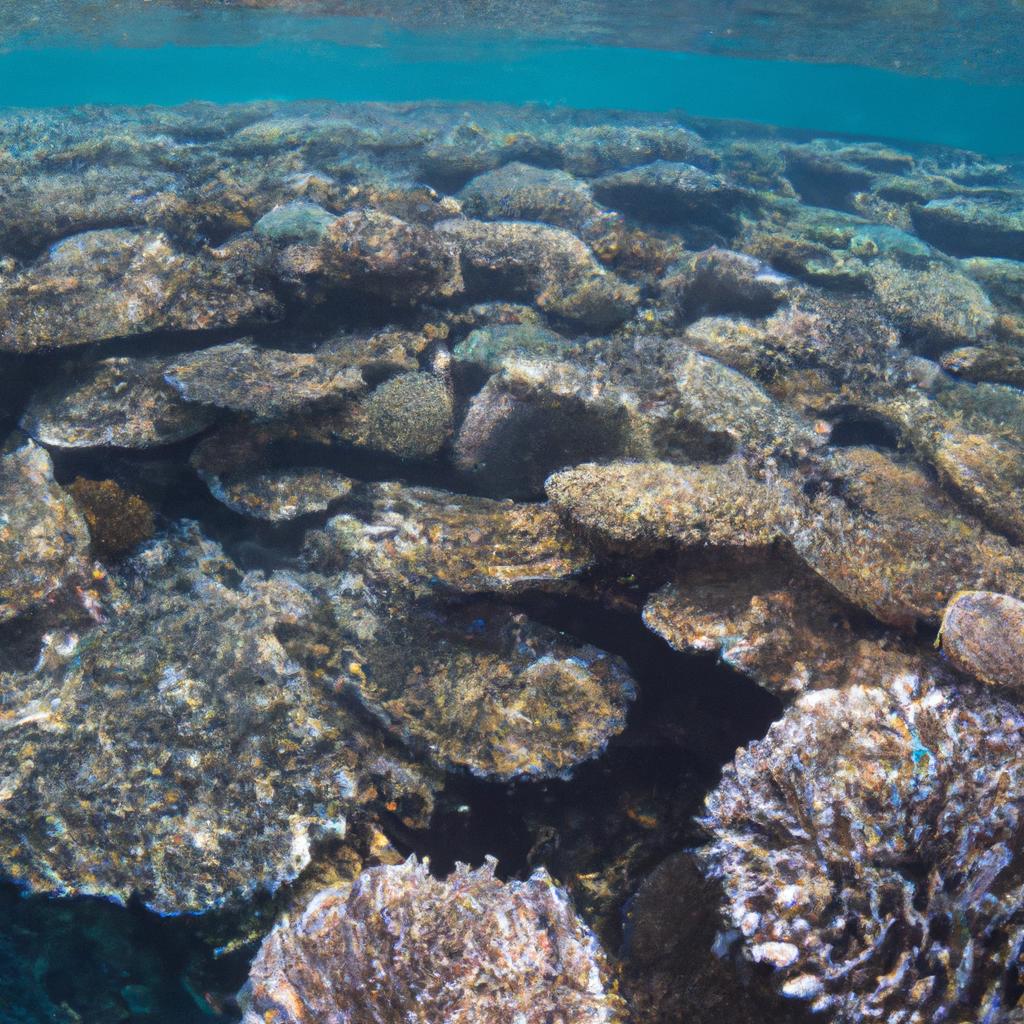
x,y
869,849
401,945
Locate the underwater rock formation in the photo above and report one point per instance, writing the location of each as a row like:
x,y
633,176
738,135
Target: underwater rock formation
x,y
867,847
122,402
488,397
264,383
423,541
659,504
773,622
551,265
279,495
492,692
536,416
401,944
983,635
44,541
194,744
113,283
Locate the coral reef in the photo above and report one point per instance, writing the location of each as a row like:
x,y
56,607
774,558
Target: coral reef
x,y
511,467
867,849
402,944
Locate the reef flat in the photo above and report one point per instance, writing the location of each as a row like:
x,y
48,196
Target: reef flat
x,y
636,499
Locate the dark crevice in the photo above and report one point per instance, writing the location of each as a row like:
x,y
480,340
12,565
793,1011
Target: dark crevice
x,y
854,431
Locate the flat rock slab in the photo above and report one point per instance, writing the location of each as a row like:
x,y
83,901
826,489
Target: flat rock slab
x,y
120,402
484,689
280,495
116,283
266,383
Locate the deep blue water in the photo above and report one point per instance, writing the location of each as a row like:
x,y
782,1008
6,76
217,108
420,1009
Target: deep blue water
x,y
404,66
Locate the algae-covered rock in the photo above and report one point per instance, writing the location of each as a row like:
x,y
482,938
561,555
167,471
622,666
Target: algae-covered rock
x,y
963,226
290,223
425,541
409,416
490,348
518,191
867,850
595,149
889,540
983,634
114,283
44,541
718,401
936,307
122,402
467,948
279,495
117,521
667,191
536,416
203,761
550,265
776,624
266,383
658,504
378,253
1001,363
486,690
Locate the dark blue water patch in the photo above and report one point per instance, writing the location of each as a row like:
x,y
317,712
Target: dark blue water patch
x,y
405,67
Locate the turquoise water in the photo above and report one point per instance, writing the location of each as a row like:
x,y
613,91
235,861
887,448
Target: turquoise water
x,y
402,66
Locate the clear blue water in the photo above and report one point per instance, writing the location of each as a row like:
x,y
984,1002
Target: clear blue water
x,y
391,65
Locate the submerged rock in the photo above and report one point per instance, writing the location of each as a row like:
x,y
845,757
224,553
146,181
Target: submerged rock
x,y
963,226
121,402
117,521
266,383
203,761
867,847
492,347
401,944
549,264
673,192
936,307
1001,363
651,505
378,253
484,689
426,541
115,283
409,416
717,401
891,541
536,416
279,495
983,634
295,222
778,625
44,542
518,191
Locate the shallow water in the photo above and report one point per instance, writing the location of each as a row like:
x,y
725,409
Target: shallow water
x,y
460,431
